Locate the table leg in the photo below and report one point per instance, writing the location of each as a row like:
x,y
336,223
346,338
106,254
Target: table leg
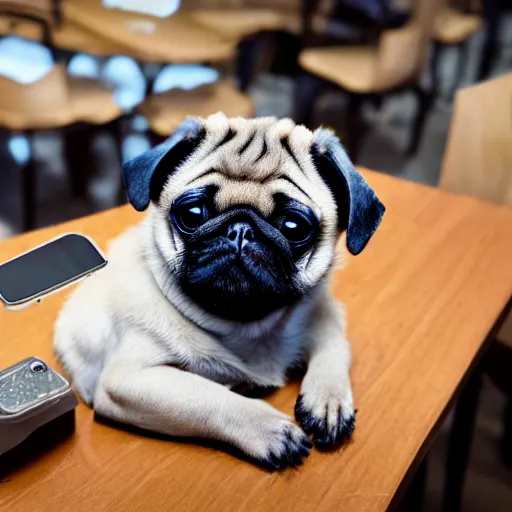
x,y
150,82
116,128
492,14
434,67
415,494
498,362
155,138
260,55
424,100
29,192
459,448
307,90
462,59
354,126
246,58
57,12
77,146
150,72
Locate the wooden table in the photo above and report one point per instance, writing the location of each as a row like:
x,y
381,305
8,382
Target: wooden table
x,y
67,36
240,23
421,300
176,39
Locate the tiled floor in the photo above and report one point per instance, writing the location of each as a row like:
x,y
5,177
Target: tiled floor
x,y
489,484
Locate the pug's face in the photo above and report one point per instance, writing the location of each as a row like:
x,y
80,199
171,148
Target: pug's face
x,y
246,218
238,263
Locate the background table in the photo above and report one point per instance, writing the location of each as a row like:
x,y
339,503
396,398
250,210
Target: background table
x,y
176,39
236,24
421,300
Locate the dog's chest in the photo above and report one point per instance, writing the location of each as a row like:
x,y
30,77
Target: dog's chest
x,y
262,361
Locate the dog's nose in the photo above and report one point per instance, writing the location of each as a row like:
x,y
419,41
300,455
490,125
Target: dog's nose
x,y
240,234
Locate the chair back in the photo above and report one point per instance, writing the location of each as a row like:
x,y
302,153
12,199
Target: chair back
x,y
45,9
46,13
478,156
402,52
36,104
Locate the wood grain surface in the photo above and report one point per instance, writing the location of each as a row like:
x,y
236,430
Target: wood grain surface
x,y
421,299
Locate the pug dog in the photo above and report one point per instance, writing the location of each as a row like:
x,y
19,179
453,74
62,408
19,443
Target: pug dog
x,y
226,283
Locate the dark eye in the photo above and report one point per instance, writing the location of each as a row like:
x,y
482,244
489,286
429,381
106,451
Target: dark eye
x,y
189,216
296,227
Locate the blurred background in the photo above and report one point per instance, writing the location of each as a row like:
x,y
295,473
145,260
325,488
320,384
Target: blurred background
x,y
87,84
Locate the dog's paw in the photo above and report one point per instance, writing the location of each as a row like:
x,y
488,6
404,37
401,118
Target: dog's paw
x,y
288,448
329,417
275,442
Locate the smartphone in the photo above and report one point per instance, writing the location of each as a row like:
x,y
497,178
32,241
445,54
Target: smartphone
x,y
39,272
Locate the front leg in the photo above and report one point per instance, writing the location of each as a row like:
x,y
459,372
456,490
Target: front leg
x,y
325,407
137,390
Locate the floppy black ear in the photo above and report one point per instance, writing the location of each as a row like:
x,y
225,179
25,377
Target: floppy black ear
x,y
145,175
359,209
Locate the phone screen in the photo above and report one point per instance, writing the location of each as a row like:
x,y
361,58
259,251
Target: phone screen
x,y
44,269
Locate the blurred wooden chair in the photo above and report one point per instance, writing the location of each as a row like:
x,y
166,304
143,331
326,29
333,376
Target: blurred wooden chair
x,y
452,28
478,157
166,110
56,101
478,162
40,14
44,21
370,72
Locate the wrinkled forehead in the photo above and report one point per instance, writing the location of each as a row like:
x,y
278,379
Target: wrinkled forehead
x,y
250,161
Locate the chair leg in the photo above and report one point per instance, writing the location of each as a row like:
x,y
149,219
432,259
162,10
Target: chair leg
x,y
497,365
150,71
498,361
77,142
307,90
377,100
424,99
246,61
155,138
415,495
493,22
461,435
29,192
354,126
116,128
265,54
435,58
506,440
462,60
